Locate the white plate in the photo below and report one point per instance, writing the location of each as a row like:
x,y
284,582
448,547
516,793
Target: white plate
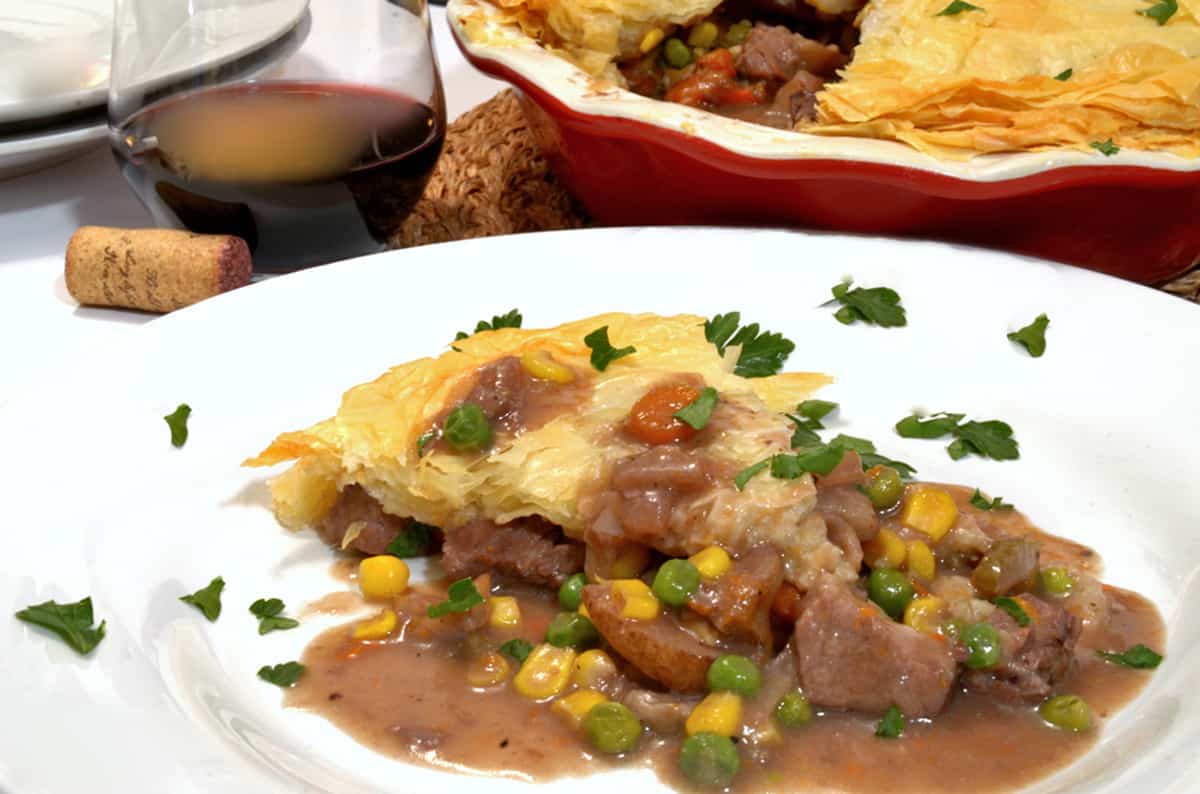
x,y
97,502
56,53
22,155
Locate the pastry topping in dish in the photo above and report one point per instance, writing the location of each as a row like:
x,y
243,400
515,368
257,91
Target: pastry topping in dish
x,y
951,79
660,562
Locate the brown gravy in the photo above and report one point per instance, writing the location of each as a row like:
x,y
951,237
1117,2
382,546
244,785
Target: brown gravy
x,y
408,698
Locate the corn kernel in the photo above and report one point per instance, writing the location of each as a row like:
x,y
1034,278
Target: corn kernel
x,y
929,510
382,577
541,365
376,628
711,562
546,672
487,670
719,713
575,706
639,601
885,550
583,610
924,614
652,39
921,561
504,612
630,563
592,668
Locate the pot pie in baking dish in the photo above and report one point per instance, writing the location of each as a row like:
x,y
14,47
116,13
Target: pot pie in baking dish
x,y
657,560
948,77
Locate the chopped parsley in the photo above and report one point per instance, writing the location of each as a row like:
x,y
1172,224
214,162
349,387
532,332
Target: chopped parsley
x,y
874,306
872,459
816,410
699,411
1106,148
1033,336
892,724
603,353
511,319
762,352
745,474
517,648
989,439
428,437
981,501
71,622
282,675
461,597
1161,11
413,541
1139,657
1064,75
1014,609
957,7
267,611
808,418
207,599
177,420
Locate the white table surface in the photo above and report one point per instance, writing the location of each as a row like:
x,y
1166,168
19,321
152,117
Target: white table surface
x,y
42,329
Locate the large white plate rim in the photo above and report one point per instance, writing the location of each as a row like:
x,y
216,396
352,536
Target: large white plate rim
x,y
103,694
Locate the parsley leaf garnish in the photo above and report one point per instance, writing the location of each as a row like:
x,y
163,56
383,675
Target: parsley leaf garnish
x,y
981,501
892,724
267,611
745,474
428,437
874,306
1033,336
1014,609
71,622
816,409
989,439
820,459
1064,75
1106,148
603,353
517,648
207,599
1139,657
282,675
808,418
177,421
957,7
461,597
871,459
511,319
699,411
1161,11
411,542
762,353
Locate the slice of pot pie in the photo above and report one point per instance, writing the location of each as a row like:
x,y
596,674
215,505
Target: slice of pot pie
x,y
573,428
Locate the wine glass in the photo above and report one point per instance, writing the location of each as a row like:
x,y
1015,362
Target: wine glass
x,y
306,127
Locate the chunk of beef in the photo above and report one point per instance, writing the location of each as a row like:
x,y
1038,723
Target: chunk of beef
x,y
850,505
1036,657
355,505
850,655
648,486
528,548
738,602
848,471
661,649
772,52
501,390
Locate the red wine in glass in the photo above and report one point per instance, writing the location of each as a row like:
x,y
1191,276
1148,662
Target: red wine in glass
x,y
305,172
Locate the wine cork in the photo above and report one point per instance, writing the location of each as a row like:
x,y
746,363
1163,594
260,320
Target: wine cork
x,y
156,270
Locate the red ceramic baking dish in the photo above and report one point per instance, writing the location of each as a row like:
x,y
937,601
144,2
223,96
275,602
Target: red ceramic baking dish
x,y
633,160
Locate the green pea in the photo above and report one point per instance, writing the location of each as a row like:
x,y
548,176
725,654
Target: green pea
x,y
1057,581
467,428
983,645
793,710
884,487
703,35
612,728
737,33
733,673
675,582
891,590
570,594
1069,712
571,630
709,760
676,54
